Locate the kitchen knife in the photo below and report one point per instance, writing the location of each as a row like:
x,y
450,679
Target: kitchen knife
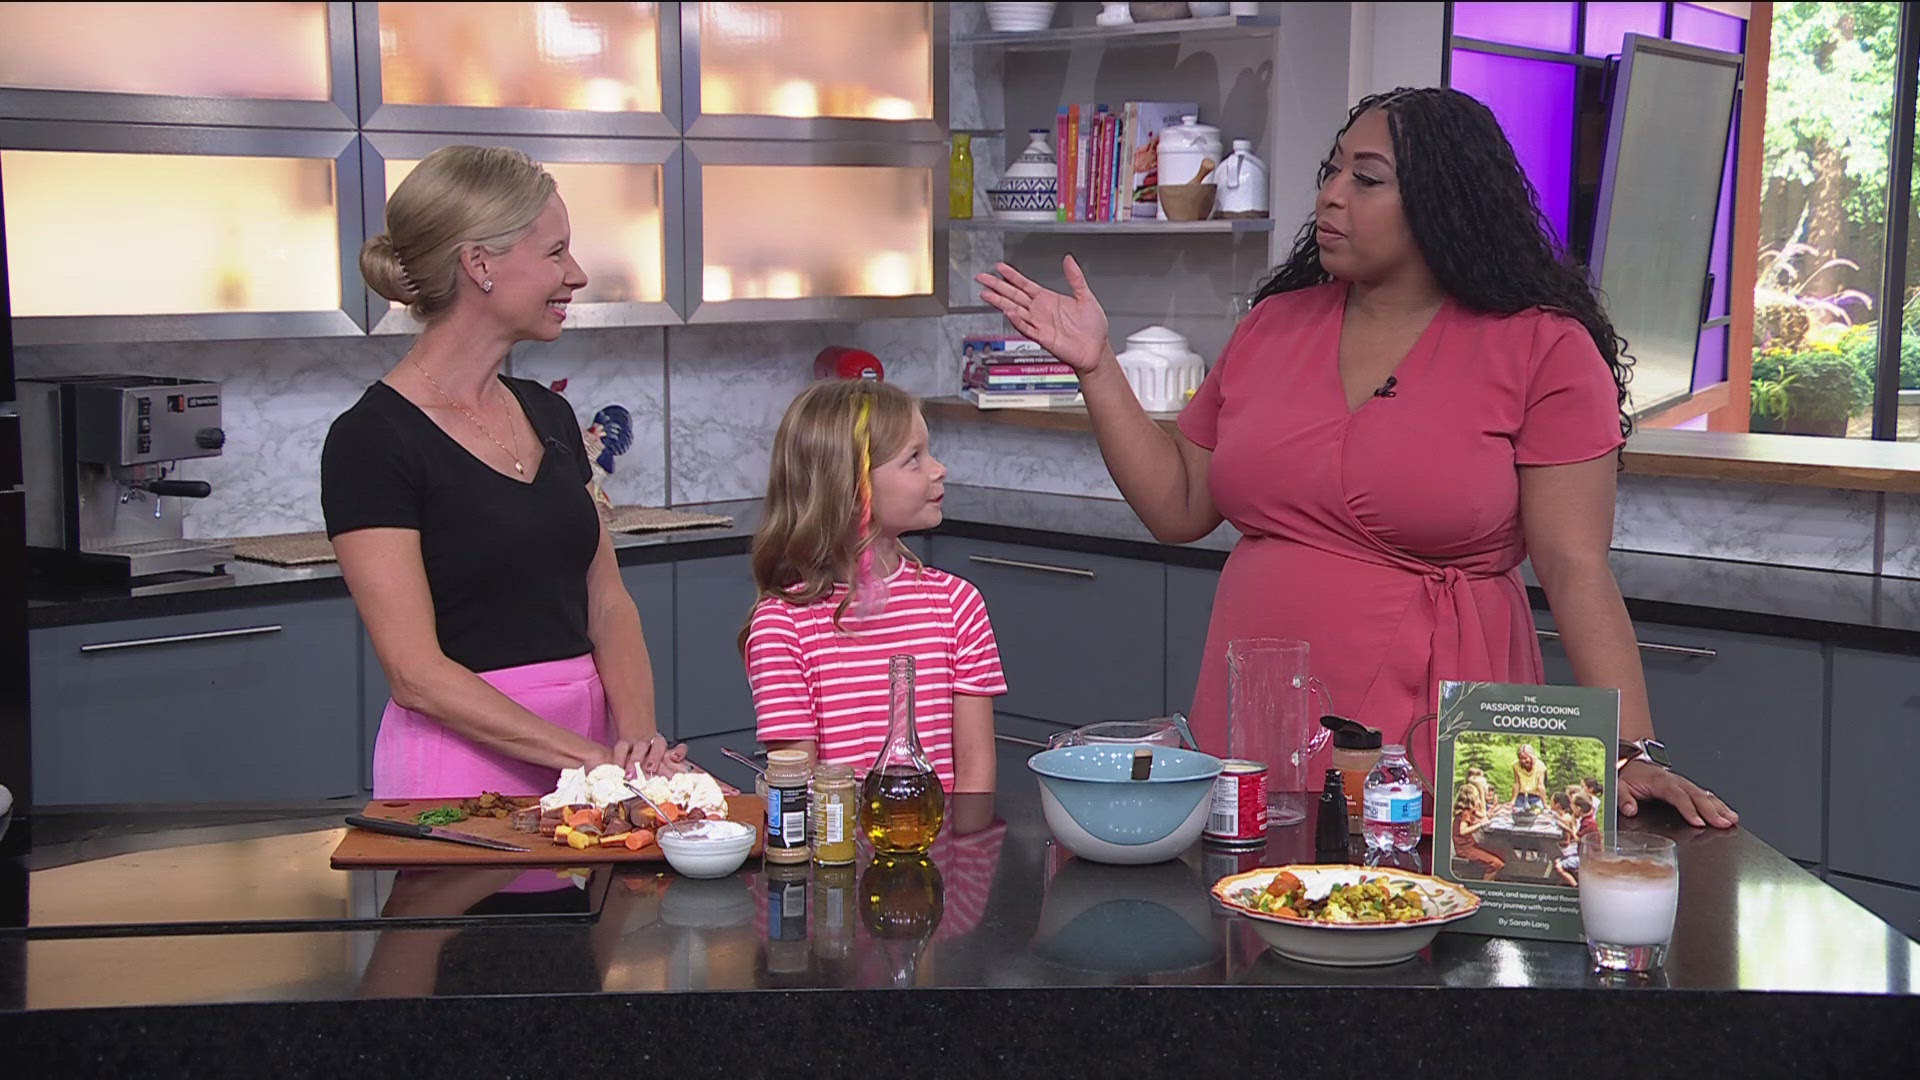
x,y
427,832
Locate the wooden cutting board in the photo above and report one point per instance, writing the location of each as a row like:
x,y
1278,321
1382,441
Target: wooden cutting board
x,y
362,850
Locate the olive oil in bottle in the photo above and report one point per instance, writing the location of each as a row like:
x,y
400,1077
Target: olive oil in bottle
x,y
901,804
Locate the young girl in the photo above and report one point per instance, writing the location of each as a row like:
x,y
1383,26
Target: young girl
x,y
1469,821
840,594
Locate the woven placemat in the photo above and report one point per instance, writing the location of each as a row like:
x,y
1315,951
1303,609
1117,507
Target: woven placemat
x,y
285,549
633,519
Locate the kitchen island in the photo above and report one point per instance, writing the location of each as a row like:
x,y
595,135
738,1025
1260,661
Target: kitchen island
x,y
222,942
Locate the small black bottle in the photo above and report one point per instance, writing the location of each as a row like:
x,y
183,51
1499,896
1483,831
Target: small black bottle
x,y
1330,827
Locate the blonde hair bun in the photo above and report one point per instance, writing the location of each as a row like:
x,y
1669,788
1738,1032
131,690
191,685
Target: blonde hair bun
x,y
380,266
456,198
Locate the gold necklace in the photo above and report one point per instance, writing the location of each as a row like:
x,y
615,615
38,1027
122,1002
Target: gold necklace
x,y
511,433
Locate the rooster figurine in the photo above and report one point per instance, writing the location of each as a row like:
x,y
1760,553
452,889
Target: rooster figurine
x,y
609,436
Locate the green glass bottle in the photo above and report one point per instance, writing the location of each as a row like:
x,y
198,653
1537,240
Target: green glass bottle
x,y
960,179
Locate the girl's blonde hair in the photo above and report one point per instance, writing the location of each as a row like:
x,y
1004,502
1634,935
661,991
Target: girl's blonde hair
x,y
457,197
813,534
1467,796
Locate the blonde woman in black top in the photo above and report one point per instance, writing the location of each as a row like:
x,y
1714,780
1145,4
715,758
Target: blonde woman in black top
x,y
456,501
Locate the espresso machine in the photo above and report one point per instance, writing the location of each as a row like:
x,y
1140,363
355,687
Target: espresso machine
x,y
102,508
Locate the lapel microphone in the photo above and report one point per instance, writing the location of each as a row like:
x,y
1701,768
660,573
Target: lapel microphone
x,y
1386,388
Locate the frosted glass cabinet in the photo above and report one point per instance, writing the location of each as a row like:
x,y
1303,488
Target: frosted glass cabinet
x,y
623,205
264,64
122,232
803,230
814,71
721,161
530,68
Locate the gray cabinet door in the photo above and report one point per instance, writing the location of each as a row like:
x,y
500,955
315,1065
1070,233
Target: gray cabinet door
x,y
1742,715
253,704
711,599
704,751
1189,610
374,693
652,589
1876,734
1082,637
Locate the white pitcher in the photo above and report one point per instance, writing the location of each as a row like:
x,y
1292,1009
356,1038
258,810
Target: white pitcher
x,y
1242,180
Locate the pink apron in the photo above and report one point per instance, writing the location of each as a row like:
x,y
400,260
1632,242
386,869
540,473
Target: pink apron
x,y
418,757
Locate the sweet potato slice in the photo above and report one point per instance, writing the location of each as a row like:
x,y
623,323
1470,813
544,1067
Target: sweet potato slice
x,y
638,839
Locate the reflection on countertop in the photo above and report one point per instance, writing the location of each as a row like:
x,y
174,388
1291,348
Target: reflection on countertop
x,y
995,905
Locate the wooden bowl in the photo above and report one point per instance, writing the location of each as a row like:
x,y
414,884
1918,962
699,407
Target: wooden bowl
x,y
1188,202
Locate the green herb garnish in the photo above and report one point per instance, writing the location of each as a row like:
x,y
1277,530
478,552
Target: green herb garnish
x,y
441,815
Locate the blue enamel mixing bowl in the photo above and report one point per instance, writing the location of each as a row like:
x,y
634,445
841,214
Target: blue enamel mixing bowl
x,y
1096,810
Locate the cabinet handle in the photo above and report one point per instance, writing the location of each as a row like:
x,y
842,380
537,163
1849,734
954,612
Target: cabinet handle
x,y
172,639
1070,571
1650,646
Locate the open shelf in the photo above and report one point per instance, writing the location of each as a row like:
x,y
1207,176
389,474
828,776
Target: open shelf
x,y
1151,33
1061,418
1228,225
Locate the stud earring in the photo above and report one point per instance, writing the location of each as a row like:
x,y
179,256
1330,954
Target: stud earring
x,y
487,285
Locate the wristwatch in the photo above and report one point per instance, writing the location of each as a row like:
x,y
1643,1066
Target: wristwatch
x,y
1652,750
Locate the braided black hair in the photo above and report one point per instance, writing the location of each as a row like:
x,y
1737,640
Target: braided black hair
x,y
1476,220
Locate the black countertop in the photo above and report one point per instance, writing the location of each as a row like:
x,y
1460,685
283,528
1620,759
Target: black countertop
x,y
1026,952
1857,610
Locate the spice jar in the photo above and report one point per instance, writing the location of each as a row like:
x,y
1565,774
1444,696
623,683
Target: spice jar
x,y
836,809
1356,749
789,774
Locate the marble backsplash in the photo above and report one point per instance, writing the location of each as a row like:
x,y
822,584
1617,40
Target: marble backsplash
x,y
706,400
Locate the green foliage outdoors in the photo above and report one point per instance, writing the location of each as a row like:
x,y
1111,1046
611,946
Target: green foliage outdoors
x,y
1570,759
1828,98
1829,123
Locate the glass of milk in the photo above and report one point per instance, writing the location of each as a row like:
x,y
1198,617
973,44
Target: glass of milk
x,y
1629,890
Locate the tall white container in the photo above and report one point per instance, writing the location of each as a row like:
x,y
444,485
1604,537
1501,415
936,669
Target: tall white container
x,y
1184,149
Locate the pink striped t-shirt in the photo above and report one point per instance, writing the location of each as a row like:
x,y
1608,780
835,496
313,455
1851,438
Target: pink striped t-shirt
x,y
812,680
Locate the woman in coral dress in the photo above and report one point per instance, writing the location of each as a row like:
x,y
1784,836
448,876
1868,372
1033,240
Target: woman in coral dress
x,y
1423,396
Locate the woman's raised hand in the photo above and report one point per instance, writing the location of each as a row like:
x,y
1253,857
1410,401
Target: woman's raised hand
x,y
1072,328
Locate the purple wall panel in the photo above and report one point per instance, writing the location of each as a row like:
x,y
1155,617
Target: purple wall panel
x,y
1709,359
1720,261
1709,29
1607,23
1541,26
1534,102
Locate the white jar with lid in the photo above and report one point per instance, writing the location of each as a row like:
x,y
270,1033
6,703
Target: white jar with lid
x,y
1242,180
1161,369
1185,148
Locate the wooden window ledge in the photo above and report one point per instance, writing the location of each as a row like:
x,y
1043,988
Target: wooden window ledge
x,y
1804,460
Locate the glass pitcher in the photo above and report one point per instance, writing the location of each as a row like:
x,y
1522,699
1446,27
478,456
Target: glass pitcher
x,y
1270,719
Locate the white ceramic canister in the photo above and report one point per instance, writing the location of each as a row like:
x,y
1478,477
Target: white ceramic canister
x,y
1184,149
1162,370
1242,180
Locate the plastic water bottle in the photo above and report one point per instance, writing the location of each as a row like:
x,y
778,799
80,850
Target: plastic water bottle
x,y
1390,804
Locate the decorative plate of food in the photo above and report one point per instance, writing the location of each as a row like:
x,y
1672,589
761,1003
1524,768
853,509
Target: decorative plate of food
x,y
1345,915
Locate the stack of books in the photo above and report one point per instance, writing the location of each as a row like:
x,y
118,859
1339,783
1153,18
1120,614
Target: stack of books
x,y
1015,373
1108,162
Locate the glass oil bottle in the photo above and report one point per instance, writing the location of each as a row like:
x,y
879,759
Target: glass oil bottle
x,y
901,804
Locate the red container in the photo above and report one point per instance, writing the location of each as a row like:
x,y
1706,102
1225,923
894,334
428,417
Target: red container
x,y
1239,811
840,362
